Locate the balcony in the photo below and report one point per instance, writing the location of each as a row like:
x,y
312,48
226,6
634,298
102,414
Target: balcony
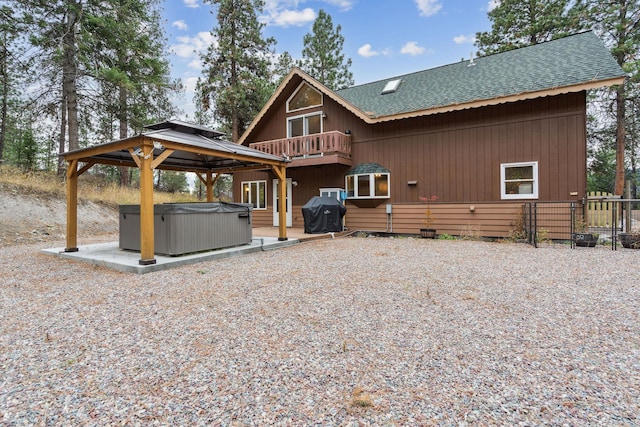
x,y
311,150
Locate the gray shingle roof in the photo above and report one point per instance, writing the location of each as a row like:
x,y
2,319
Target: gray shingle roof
x,y
569,61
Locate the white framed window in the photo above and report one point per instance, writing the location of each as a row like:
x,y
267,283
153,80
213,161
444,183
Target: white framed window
x,y
307,124
519,180
368,186
255,192
332,192
304,97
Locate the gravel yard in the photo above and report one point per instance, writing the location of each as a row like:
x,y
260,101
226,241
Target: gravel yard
x,y
351,331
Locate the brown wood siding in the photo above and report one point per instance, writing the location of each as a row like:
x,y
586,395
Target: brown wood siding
x,y
455,156
458,155
487,219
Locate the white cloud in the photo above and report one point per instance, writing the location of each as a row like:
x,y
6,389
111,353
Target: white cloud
x,y
492,5
190,84
180,24
344,5
412,48
190,47
288,17
428,7
366,51
191,3
196,64
465,39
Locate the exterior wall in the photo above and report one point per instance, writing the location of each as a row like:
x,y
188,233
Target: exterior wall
x,y
455,156
486,219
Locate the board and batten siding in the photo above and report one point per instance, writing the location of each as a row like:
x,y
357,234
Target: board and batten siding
x,y
457,156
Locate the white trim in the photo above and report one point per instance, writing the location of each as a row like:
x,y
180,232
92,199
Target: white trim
x,y
305,123
532,183
249,198
372,187
295,92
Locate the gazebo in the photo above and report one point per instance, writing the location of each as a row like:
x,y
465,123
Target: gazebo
x,y
170,145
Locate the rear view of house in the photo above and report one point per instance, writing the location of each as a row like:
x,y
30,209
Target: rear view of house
x,y
483,135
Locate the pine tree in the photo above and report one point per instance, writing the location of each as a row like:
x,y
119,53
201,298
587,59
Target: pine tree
x,y
129,65
322,55
519,23
618,23
235,81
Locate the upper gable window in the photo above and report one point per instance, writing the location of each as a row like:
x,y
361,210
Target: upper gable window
x,y
304,97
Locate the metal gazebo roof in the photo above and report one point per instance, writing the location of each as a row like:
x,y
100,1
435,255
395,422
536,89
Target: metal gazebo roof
x,y
193,148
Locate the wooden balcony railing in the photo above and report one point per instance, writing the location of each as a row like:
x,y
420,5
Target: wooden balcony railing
x,y
334,145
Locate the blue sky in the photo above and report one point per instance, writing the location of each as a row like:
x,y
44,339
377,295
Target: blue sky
x,y
383,38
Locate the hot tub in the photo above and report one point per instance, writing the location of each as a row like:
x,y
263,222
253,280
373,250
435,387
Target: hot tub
x,y
182,228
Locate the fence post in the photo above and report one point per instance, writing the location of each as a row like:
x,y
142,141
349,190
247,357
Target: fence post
x,y
627,195
572,227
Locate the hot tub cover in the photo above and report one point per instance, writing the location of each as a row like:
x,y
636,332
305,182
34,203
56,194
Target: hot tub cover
x,y
323,215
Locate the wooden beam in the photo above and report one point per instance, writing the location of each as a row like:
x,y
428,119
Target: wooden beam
x,y
210,186
135,157
72,207
86,167
146,205
161,158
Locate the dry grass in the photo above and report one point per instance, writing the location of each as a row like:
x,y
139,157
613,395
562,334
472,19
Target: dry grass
x,y
360,398
89,188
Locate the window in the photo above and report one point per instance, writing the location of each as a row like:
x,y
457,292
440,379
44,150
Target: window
x,y
304,97
519,180
255,192
368,186
304,125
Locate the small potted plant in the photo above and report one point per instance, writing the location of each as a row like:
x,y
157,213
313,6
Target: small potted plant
x,y
428,232
582,236
630,240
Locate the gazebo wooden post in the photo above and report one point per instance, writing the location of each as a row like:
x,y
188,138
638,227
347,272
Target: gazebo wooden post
x,y
146,205
209,186
72,206
281,173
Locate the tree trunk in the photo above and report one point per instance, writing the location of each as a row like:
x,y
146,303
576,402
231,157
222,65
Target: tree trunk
x,y
123,124
621,135
70,74
4,75
62,166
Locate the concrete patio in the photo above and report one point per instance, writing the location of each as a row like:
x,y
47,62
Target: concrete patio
x,y
110,255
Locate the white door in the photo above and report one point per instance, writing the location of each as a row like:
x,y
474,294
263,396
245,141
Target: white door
x,y
276,205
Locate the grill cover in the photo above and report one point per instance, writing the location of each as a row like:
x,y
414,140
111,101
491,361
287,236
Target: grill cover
x,y
323,215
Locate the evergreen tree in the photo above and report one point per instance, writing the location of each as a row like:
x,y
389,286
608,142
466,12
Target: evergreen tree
x,y
282,67
8,34
322,55
129,64
519,23
618,23
235,81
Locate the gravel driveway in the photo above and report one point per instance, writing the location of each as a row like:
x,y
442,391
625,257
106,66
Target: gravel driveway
x,y
351,331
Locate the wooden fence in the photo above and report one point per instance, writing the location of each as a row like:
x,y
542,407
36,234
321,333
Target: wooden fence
x,y
600,211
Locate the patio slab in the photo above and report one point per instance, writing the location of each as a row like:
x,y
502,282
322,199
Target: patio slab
x,y
110,255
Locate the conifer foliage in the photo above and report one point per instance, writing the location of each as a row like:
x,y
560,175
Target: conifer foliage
x,y
235,81
323,57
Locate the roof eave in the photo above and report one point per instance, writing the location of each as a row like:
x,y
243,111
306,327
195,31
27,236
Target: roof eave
x,y
500,100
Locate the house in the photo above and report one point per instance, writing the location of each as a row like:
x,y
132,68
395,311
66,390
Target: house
x,y
484,135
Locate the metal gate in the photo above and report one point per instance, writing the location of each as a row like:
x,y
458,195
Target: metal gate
x,y
559,221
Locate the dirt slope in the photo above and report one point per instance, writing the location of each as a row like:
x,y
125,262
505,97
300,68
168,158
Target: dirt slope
x,y
27,216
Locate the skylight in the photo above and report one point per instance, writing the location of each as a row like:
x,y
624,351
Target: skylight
x,y
391,86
